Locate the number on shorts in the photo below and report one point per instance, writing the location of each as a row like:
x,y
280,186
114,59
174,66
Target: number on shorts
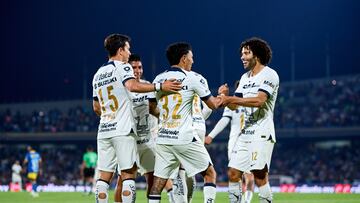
x,y
254,156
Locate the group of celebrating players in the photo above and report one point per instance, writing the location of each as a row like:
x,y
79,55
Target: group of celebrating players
x,y
158,128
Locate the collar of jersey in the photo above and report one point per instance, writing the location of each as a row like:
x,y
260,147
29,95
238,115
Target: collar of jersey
x,y
176,69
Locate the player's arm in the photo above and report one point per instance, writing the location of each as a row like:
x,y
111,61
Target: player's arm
x,y
206,111
220,126
168,86
233,101
213,102
96,106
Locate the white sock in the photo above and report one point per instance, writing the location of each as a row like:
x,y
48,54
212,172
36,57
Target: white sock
x,y
265,193
101,189
235,192
129,186
170,194
209,192
179,187
191,184
248,196
154,198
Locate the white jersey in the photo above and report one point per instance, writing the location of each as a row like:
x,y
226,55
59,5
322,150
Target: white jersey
x,y
176,115
145,122
115,101
198,118
16,169
258,122
236,120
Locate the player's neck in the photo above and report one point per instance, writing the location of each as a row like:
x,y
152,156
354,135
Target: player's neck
x,y
117,58
258,67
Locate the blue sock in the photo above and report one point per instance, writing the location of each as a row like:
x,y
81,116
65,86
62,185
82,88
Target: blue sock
x,y
34,187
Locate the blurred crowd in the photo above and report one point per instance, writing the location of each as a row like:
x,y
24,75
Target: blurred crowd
x,y
319,103
76,119
313,103
306,165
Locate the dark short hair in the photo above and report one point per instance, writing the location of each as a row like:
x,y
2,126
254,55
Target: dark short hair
x,y
113,42
175,51
134,57
260,49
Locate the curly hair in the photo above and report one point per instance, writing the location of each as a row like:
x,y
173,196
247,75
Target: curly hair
x,y
260,49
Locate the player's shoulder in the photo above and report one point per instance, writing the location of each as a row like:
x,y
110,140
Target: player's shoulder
x,y
271,73
194,76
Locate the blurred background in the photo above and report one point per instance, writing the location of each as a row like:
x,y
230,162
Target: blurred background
x,y
50,51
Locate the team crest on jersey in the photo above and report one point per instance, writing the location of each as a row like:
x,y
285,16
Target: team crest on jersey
x,y
202,81
127,68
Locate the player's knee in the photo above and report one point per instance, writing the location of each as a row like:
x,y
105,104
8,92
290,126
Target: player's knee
x,y
210,174
260,174
234,175
102,195
126,193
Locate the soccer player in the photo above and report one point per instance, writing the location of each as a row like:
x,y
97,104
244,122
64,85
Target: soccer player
x,y
116,142
184,190
16,176
257,93
234,117
33,162
88,168
177,142
145,122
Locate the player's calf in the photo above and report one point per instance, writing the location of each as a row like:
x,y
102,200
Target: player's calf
x,y
101,193
128,191
235,190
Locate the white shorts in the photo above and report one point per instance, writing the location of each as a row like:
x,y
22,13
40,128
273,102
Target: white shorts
x,y
193,157
146,160
251,155
119,150
201,134
231,144
16,178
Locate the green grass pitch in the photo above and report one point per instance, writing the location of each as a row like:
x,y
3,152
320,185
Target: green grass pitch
x,y
72,197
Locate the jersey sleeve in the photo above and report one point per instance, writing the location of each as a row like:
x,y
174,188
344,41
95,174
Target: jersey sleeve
x,y
227,113
201,86
239,90
269,84
94,90
152,95
126,73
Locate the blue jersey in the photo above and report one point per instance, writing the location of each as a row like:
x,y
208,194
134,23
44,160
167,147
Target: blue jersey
x,y
33,159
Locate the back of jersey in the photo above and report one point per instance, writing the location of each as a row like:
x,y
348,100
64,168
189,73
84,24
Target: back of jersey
x,y
114,98
33,159
176,117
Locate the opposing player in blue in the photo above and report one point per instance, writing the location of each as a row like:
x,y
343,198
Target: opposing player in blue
x,y
33,162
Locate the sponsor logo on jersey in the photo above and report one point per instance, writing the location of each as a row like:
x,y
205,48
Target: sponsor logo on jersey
x,y
250,85
247,132
140,99
266,82
104,75
127,68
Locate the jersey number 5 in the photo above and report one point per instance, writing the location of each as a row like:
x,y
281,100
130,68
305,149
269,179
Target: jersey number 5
x,y
112,97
